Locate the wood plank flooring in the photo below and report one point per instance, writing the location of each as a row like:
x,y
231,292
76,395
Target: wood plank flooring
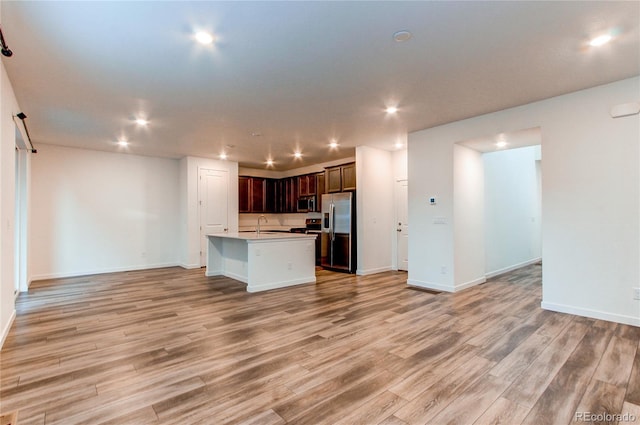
x,y
170,346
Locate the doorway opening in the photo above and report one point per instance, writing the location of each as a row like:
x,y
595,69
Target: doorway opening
x,y
21,215
498,199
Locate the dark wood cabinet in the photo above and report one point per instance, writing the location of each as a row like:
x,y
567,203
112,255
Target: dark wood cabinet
x,y
349,177
307,185
333,179
256,195
263,195
281,198
271,195
291,184
303,185
341,178
287,195
319,190
244,197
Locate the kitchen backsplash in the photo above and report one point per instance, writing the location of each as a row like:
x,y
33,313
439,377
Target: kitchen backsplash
x,y
247,221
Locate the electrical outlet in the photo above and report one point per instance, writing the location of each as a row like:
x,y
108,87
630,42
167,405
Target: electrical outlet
x,y
636,293
443,270
289,266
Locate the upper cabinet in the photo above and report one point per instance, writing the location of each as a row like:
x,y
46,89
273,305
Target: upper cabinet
x,y
341,178
349,176
256,194
320,189
244,201
262,195
307,185
333,179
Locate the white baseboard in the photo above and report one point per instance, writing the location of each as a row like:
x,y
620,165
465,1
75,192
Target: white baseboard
x,y
280,284
495,273
431,285
189,266
594,314
469,284
60,275
373,271
445,288
230,275
7,328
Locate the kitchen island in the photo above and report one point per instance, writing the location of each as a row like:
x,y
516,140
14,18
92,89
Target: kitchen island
x,y
263,260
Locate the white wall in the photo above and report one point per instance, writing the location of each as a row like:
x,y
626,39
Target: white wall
x,y
189,228
430,171
96,212
399,164
8,108
468,218
374,210
512,208
590,198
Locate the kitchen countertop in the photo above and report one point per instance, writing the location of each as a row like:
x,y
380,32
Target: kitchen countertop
x,y
267,228
264,235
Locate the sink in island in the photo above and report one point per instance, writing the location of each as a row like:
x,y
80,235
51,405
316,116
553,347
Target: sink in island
x,y
263,260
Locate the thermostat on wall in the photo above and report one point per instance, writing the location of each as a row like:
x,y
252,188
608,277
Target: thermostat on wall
x,y
432,200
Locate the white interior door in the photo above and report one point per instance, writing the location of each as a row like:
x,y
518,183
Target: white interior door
x,y
402,221
213,201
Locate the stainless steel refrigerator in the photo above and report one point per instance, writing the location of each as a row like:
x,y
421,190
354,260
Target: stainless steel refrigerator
x,y
338,232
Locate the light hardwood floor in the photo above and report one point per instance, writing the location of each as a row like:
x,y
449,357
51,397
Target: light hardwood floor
x,y
171,346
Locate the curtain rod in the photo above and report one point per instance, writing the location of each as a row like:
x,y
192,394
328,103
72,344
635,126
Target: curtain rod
x,y
22,117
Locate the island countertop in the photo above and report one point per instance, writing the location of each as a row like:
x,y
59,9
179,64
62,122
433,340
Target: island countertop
x,y
265,235
262,261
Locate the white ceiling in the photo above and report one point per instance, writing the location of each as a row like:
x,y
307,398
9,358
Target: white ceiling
x,y
299,73
512,140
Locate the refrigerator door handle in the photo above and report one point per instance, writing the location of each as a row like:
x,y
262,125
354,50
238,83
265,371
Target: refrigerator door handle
x,y
332,209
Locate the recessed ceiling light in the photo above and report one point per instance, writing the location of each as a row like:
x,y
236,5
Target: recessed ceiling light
x,y
501,144
600,40
141,121
401,36
333,143
269,162
123,142
297,154
223,155
204,37
398,145
391,110
256,134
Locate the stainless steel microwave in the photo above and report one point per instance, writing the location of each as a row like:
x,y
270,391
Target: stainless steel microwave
x,y
306,204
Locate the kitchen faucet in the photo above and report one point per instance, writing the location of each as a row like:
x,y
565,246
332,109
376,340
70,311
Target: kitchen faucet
x,y
265,220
